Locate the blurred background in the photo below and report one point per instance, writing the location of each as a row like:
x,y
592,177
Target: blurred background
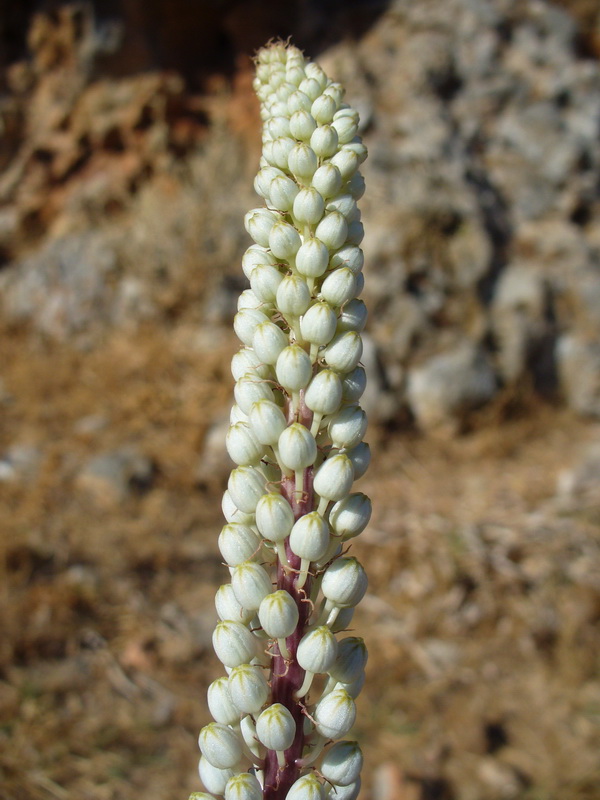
x,y
129,138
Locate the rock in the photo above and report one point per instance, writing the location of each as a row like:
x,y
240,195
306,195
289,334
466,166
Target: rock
x,y
446,387
113,476
579,373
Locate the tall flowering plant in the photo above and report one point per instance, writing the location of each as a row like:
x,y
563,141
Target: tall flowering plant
x,y
286,702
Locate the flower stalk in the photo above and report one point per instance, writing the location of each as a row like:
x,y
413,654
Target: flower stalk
x,y
287,700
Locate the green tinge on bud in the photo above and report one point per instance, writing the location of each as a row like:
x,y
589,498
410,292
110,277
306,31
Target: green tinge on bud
x,y
342,763
267,421
246,486
312,259
275,728
345,582
220,745
302,163
250,583
334,477
324,392
282,191
344,351
248,688
274,517
293,296
233,643
220,704
293,368
339,287
319,324
332,230
284,239
334,714
310,537
347,428
327,180
350,516
324,141
258,222
278,614
297,447
249,389
308,787
302,125
243,787
323,109
308,206
242,445
268,342
346,128
264,281
311,88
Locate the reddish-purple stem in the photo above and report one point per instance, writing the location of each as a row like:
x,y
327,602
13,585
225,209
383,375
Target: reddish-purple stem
x,y
287,676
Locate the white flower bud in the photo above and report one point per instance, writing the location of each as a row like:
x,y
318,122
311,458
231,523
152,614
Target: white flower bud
x,y
349,256
258,222
278,153
298,101
360,283
346,205
334,714
350,516
308,787
346,111
324,141
275,727
267,421
245,322
342,763
244,786
332,230
334,477
242,445
342,620
248,731
248,688
284,240
349,792
233,643
360,456
354,384
293,296
310,538
327,180
278,614
319,324
213,778
302,124
250,583
248,299
274,517
295,75
264,281
249,390
324,393
356,186
220,745
297,447
344,582
229,607
312,258
220,704
353,316
343,352
335,90
346,128
278,126
308,206
254,256
347,162
314,71
282,192
351,660
293,368
302,162
236,414
232,513
311,88
246,486
356,147
246,361
268,342
338,287
356,232
262,182
323,109
354,688
347,427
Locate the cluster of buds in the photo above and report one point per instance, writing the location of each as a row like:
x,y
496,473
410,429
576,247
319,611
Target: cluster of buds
x,y
287,701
